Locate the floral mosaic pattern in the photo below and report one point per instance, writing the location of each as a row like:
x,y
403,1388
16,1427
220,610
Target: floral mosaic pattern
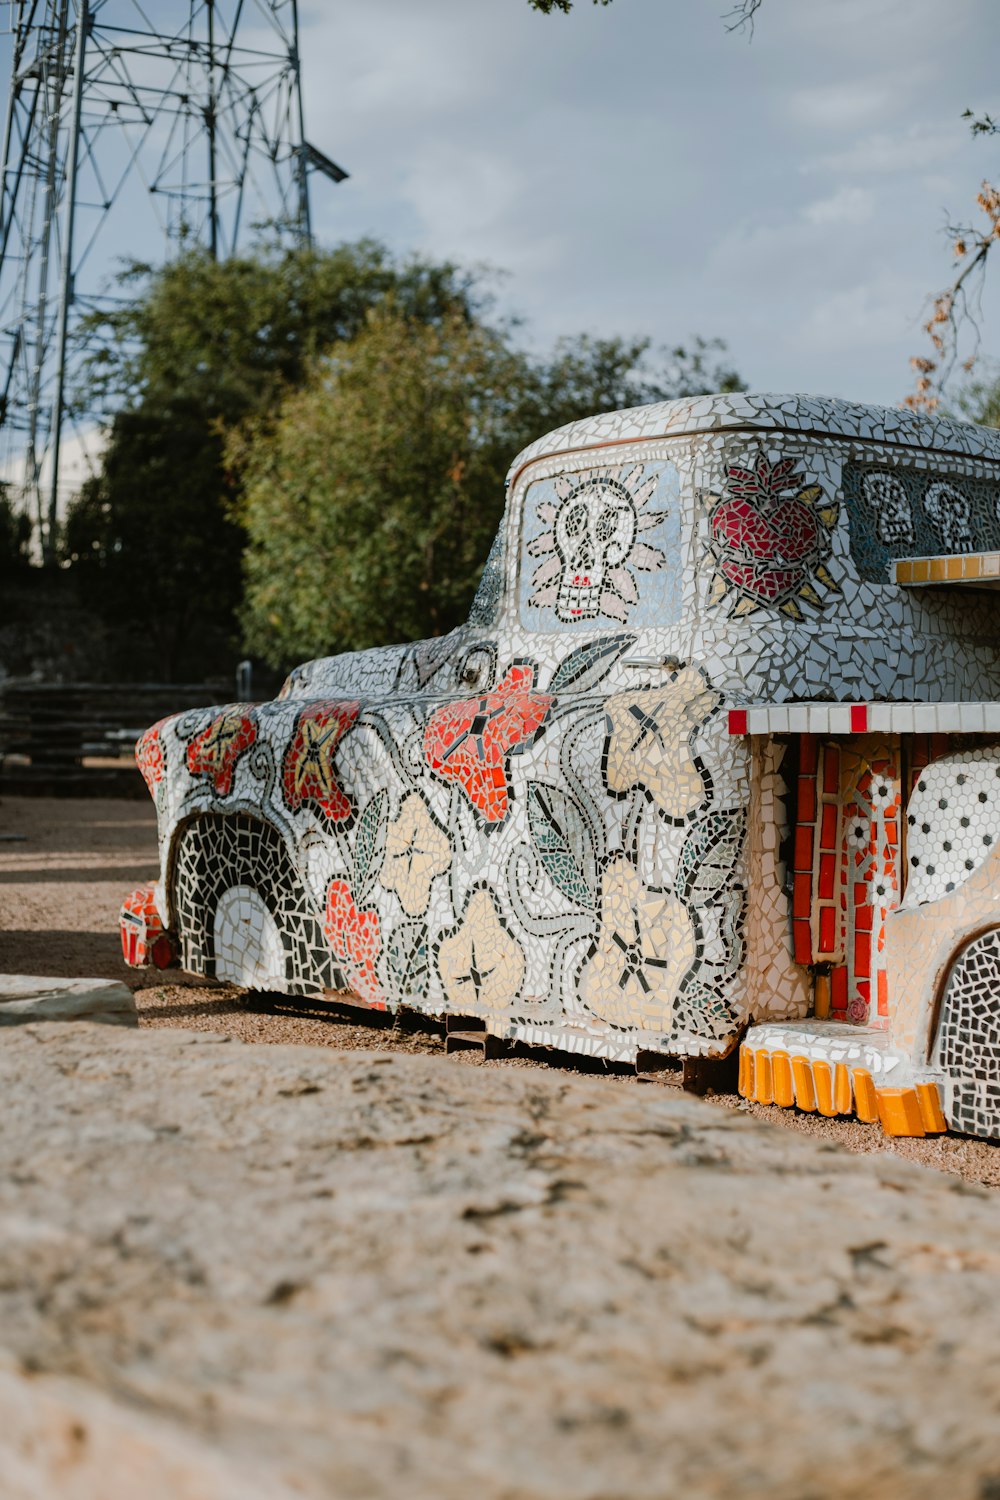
x,y
469,742
480,963
871,884
416,850
308,774
149,757
647,942
649,744
215,752
355,940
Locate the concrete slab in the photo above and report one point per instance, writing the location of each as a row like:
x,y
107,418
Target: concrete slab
x,y
33,997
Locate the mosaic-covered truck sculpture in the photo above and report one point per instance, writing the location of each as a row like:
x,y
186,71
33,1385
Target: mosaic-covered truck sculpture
x,y
719,746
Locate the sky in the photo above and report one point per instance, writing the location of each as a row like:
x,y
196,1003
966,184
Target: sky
x,y
636,169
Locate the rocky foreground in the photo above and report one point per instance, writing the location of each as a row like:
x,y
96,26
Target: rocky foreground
x,y
229,1271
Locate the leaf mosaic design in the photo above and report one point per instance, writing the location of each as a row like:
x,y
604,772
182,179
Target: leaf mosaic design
x,y
585,667
563,841
407,957
709,856
369,847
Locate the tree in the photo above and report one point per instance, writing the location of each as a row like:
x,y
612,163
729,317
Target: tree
x,y
374,493
978,398
15,537
199,347
370,501
204,349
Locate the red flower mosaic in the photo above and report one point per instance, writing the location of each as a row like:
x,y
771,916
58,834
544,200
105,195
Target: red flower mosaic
x,y
356,941
215,751
307,773
469,742
770,536
149,757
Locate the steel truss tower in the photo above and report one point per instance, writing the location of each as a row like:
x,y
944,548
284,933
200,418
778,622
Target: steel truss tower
x,y
133,128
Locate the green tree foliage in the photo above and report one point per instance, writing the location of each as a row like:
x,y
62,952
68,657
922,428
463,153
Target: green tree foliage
x,y
15,537
978,399
371,499
153,549
587,375
198,347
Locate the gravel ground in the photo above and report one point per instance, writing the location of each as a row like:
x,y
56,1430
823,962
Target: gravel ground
x,y
60,889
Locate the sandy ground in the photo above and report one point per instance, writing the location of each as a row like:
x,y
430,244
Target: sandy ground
x,y
65,865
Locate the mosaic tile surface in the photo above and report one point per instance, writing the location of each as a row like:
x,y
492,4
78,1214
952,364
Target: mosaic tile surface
x,y
541,818
953,821
968,1040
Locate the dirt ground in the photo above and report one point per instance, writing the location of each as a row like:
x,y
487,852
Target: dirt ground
x,y
65,865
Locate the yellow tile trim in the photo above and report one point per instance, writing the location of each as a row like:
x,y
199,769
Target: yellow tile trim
x,y
763,1078
865,1097
929,1099
823,1084
963,567
784,1086
777,1078
745,1085
899,1112
802,1078
843,1094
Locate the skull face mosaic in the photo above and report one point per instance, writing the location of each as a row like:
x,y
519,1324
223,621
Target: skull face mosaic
x,y
571,818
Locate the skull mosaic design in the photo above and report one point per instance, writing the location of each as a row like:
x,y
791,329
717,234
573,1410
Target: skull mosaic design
x,y
595,530
594,541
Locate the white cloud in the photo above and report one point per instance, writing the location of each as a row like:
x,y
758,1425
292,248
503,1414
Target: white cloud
x,y
917,148
840,106
848,205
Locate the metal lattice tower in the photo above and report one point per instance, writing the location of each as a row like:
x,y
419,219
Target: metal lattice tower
x,y
133,128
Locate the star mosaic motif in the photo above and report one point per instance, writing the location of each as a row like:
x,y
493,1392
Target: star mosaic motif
x,y
416,850
646,943
215,752
479,962
307,773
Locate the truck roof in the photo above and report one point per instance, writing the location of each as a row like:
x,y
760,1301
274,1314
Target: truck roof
x,y
821,416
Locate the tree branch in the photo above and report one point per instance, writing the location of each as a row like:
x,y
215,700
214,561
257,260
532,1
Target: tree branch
x,y
742,16
955,311
565,6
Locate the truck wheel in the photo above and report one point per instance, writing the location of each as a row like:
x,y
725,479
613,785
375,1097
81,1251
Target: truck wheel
x,y
242,914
